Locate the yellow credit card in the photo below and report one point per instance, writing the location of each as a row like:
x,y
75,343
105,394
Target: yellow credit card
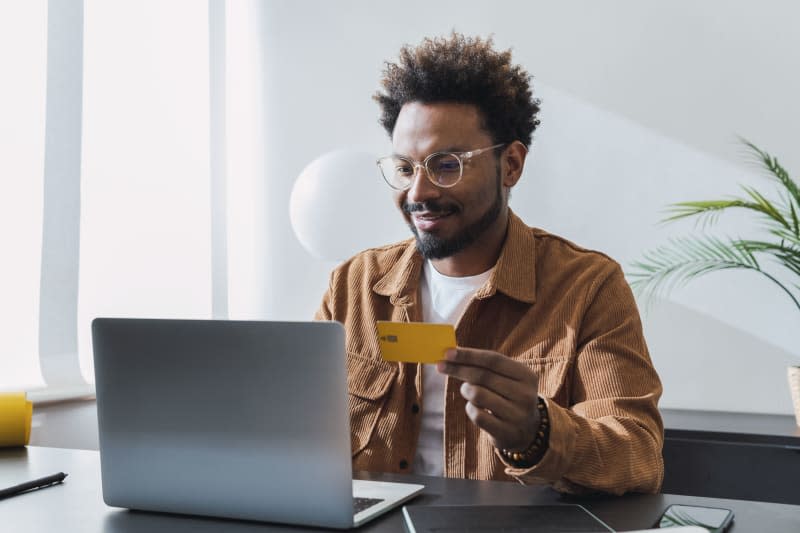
x,y
415,342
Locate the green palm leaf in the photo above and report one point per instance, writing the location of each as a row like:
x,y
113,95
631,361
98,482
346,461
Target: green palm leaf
x,y
787,238
771,164
712,208
766,207
783,213
707,210
785,254
684,259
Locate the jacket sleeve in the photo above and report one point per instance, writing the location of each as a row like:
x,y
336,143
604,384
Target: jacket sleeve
x,y
611,436
325,311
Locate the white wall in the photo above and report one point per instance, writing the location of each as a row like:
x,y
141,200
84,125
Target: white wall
x,y
642,102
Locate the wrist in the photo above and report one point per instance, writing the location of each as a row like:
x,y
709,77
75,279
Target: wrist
x,y
531,455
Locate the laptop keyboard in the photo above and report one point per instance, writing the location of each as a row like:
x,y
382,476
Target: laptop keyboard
x,y
359,504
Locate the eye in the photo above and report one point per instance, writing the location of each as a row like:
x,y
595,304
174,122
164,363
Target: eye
x,y
446,164
403,168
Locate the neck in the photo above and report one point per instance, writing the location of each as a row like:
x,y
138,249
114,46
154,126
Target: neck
x,y
479,256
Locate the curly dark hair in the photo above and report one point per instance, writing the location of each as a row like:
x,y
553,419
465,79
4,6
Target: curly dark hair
x,y
464,70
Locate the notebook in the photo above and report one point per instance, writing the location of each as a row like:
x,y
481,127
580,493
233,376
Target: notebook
x,y
235,419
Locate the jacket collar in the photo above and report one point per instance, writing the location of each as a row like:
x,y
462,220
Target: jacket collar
x,y
401,281
514,274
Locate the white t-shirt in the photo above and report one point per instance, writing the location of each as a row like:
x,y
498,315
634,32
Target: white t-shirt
x,y
444,300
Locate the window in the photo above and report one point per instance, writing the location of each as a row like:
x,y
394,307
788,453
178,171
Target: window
x,y
145,213
23,51
121,97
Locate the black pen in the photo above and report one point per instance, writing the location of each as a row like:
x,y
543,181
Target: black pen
x,y
30,485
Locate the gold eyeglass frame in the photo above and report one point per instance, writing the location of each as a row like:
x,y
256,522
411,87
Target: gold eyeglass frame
x,y
461,157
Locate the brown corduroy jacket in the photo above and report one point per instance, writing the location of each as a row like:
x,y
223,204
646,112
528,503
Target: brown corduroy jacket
x,y
565,311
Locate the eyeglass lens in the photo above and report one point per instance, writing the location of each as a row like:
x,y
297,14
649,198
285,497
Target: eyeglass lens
x,y
443,169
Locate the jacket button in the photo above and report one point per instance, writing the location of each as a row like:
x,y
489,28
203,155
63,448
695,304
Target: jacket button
x,y
415,408
403,464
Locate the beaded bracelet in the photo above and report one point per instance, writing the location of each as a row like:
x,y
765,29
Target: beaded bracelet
x,y
533,453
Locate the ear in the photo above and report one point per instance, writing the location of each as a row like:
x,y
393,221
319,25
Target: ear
x,y
512,163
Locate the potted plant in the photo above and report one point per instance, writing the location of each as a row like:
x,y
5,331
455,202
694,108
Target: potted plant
x,y
686,258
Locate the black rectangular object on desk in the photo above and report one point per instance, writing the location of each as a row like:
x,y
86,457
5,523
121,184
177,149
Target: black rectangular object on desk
x,y
500,518
743,456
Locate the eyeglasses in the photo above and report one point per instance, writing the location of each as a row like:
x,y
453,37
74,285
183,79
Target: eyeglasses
x,y
444,169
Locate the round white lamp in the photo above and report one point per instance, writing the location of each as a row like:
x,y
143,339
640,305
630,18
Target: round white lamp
x,y
340,205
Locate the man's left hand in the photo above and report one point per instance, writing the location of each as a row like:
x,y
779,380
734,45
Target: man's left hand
x,y
501,395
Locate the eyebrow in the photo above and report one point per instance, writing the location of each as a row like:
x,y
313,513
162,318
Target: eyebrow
x,y
454,149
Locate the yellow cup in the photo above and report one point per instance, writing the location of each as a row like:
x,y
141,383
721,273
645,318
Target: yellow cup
x,y
15,419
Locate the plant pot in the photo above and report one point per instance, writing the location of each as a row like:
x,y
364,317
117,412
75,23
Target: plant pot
x,y
794,386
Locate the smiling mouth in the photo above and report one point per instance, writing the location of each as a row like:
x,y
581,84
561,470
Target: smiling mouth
x,y
428,216
431,216
429,222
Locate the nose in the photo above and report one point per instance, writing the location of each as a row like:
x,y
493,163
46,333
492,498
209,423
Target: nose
x,y
421,188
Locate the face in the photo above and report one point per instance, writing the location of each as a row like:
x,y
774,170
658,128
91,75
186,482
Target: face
x,y
446,221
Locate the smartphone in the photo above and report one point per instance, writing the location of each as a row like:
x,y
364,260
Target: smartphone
x,y
714,519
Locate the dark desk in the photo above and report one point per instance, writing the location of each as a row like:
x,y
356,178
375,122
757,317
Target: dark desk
x,y
732,455
706,453
77,506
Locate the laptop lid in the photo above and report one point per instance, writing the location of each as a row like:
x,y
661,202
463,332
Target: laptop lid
x,y
225,418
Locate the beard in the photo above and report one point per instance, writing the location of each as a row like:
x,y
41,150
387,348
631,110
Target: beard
x,y
434,247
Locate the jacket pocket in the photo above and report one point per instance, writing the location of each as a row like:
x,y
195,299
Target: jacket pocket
x,y
368,385
553,375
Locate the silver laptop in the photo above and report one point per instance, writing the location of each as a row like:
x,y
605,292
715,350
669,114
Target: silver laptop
x,y
233,419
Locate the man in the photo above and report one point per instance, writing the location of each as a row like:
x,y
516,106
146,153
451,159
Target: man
x,y
551,381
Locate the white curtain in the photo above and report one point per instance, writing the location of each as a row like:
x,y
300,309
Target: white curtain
x,y
23,52
116,202
145,232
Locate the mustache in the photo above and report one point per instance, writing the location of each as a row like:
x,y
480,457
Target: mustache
x,y
429,207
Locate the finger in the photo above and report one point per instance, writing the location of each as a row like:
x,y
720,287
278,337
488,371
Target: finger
x,y
487,422
497,362
501,434
499,406
513,390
